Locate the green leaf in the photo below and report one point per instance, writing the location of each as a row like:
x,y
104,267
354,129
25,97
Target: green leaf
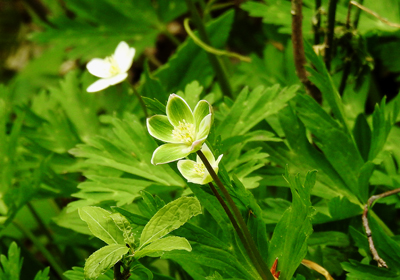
x,y
150,204
77,274
90,34
252,107
123,152
203,258
289,241
329,238
387,247
321,78
192,95
43,274
154,105
341,208
98,189
124,226
79,106
362,136
335,142
156,248
138,269
103,259
101,225
358,270
11,265
170,217
153,90
301,156
278,13
382,124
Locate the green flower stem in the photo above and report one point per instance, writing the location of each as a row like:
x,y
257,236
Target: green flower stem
x,y
238,230
142,104
214,60
265,271
42,249
45,230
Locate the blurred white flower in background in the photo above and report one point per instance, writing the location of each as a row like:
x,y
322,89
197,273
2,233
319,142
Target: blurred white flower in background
x,y
113,69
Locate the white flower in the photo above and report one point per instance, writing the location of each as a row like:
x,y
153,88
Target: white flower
x,y
195,171
113,69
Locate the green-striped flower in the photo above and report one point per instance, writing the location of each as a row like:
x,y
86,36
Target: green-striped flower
x,y
195,171
182,129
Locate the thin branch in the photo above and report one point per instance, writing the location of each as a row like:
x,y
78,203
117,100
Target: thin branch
x,y
210,49
372,13
375,255
215,62
330,33
264,273
298,50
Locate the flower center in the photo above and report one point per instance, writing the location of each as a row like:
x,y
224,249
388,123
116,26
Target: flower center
x,y
184,132
200,169
114,68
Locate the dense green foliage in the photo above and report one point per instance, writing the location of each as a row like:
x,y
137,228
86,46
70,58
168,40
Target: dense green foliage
x,y
80,198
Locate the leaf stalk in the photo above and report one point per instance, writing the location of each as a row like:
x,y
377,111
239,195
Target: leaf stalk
x,y
259,263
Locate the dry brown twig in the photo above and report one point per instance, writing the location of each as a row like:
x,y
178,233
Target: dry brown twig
x,y
372,13
371,200
298,50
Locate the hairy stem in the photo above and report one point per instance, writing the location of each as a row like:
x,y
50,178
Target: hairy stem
x,y
298,50
214,60
265,273
330,33
54,264
374,252
236,227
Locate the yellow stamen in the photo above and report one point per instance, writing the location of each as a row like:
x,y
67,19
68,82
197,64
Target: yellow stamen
x,y
184,132
200,169
114,68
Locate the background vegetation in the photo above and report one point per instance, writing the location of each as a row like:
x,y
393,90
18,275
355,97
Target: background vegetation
x,y
62,148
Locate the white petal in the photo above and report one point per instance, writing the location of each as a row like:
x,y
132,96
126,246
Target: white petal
x,y
105,83
117,79
99,68
123,55
217,162
208,154
99,85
